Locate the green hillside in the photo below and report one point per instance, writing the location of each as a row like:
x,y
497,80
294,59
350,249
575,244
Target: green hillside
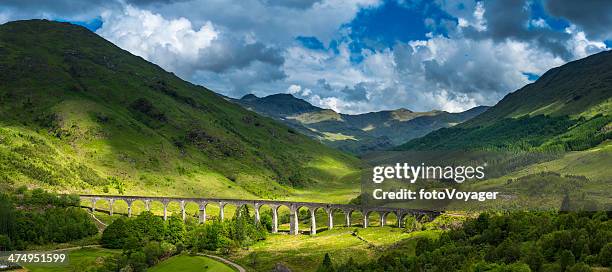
x,y
79,114
568,108
359,133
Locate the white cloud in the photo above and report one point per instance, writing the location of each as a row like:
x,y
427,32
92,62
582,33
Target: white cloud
x,y
540,23
170,43
452,74
4,17
580,46
276,24
294,89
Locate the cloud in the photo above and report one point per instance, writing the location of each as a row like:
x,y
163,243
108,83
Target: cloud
x,y
452,74
540,22
74,9
270,21
178,46
594,17
298,4
502,20
151,2
227,52
173,44
4,17
298,90
455,54
580,45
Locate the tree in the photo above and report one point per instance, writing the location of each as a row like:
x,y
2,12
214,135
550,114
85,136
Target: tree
x,y
423,245
132,244
115,234
175,230
5,243
532,256
138,261
153,252
605,255
551,267
266,221
411,224
566,259
147,226
7,216
326,265
579,267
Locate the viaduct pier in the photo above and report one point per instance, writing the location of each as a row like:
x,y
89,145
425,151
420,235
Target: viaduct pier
x,y
274,205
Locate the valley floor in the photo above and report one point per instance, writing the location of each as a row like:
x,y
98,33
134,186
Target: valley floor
x,y
305,253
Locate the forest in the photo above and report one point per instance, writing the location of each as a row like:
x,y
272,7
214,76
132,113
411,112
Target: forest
x,y
146,239
36,217
513,241
532,133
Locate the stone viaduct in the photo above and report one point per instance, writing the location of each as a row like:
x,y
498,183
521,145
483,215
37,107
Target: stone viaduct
x,y
294,207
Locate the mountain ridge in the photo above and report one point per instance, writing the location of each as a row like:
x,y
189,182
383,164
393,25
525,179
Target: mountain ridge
x,y
358,133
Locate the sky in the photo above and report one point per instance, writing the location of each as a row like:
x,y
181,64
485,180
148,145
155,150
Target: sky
x,y
352,56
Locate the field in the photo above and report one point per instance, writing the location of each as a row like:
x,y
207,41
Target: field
x,y
187,263
305,253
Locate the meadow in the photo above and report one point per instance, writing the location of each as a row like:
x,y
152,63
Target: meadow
x,y
186,263
305,253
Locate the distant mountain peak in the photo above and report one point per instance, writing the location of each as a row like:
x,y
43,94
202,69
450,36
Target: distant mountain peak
x,y
282,95
279,105
249,97
359,133
402,110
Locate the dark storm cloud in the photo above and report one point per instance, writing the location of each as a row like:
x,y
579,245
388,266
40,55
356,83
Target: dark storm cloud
x,y
257,72
506,19
153,2
323,84
227,52
468,81
356,93
510,19
594,17
297,4
22,9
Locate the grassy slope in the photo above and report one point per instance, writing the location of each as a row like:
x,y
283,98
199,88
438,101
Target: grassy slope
x,y
81,115
566,90
190,263
537,177
568,109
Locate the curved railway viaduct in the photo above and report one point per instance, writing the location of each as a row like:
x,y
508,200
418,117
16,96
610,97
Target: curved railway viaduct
x,y
294,207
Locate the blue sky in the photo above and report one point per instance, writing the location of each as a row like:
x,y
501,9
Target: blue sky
x,y
352,56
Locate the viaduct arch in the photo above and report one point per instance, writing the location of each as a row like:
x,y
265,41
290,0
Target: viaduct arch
x,y
294,207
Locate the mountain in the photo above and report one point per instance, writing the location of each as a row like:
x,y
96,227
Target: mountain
x,y
567,108
359,133
79,114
